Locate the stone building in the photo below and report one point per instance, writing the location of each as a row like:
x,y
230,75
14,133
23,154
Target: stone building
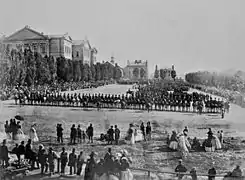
x,y
82,51
167,72
136,70
50,45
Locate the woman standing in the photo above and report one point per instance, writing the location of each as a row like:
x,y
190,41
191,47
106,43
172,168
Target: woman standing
x,y
33,134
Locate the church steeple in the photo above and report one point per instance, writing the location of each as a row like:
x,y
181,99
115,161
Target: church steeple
x,y
112,59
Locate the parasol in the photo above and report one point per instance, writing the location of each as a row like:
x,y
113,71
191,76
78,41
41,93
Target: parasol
x,y
18,117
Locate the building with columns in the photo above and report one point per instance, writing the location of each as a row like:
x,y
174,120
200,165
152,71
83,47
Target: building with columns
x,y
136,70
82,51
50,45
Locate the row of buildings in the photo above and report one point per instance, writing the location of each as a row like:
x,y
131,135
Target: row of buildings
x,y
63,45
52,45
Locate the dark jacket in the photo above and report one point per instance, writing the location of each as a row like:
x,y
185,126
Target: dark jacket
x,y
72,159
4,152
21,149
63,157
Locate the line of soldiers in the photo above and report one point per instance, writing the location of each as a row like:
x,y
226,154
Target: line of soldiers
x,y
143,99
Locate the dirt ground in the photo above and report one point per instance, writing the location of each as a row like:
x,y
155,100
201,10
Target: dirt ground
x,y
149,155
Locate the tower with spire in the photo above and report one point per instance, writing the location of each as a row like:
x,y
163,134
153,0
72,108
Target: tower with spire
x,y
112,59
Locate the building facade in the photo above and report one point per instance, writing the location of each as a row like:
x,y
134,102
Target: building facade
x,y
50,45
136,70
82,51
167,72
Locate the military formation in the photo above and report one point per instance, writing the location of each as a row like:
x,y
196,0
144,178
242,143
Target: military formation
x,y
143,98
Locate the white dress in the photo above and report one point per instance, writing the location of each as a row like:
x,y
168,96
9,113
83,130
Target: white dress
x,y
126,175
20,135
33,135
173,145
132,140
217,142
183,144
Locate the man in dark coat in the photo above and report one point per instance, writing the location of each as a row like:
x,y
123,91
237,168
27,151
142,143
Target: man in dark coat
x,y
30,154
180,169
42,158
90,133
73,134
21,150
117,134
142,128
211,173
80,162
110,134
63,160
108,160
72,161
4,154
90,168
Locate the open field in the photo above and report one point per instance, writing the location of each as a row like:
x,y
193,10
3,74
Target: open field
x,y
151,155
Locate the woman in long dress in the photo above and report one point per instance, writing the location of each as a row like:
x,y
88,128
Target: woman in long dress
x,y
183,145
33,134
132,140
173,141
217,143
20,134
125,174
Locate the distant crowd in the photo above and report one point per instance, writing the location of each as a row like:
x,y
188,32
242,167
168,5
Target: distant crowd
x,y
7,92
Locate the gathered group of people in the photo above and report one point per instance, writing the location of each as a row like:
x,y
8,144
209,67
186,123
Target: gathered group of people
x,y
78,135
182,143
13,129
48,160
182,171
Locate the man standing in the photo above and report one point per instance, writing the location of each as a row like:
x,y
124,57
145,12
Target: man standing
x,y
142,128
72,161
90,133
51,157
117,134
80,162
21,150
180,169
110,134
4,154
59,133
73,134
79,134
63,160
148,131
108,161
43,161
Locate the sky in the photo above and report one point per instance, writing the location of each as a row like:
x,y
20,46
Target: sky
x,y
190,34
